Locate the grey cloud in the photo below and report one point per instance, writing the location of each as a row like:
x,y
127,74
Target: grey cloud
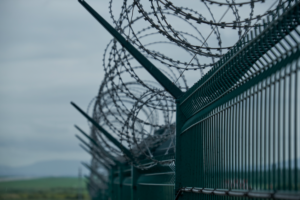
x,y
51,53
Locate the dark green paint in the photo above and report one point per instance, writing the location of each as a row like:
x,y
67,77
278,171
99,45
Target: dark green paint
x,y
154,71
107,135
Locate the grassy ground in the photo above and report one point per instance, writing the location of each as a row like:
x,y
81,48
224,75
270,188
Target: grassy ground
x,y
42,189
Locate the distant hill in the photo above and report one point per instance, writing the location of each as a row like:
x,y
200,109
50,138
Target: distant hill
x,y
45,168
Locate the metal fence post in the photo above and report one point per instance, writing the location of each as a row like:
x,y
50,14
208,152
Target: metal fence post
x,y
180,119
121,178
111,184
135,173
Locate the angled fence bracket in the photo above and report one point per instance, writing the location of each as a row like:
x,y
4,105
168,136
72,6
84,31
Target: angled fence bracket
x,y
114,161
95,172
107,135
154,71
108,163
104,164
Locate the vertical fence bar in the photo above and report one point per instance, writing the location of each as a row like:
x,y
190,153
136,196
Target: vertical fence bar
x,y
243,138
135,173
180,119
121,178
111,183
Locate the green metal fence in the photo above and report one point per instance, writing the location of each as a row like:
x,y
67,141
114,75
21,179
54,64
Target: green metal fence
x,y
128,182
239,124
237,129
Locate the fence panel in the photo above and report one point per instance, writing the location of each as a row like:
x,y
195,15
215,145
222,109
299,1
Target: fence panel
x,y
237,129
239,126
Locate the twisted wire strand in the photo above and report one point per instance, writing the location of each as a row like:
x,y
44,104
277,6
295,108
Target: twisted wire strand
x,y
130,104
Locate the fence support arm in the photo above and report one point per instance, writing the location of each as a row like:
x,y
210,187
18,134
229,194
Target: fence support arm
x,y
91,185
106,166
108,136
94,142
154,71
111,159
92,182
95,172
107,163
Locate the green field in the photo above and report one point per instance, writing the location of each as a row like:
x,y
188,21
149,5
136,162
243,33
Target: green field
x,y
43,188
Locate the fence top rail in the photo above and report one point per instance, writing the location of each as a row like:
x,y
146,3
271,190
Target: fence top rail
x,y
273,68
245,45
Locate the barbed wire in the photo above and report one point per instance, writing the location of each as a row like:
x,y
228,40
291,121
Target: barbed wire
x,y
130,104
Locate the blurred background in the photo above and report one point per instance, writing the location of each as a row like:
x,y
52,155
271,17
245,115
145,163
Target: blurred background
x,y
50,54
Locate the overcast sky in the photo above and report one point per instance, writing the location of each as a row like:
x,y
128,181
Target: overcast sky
x,y
51,54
